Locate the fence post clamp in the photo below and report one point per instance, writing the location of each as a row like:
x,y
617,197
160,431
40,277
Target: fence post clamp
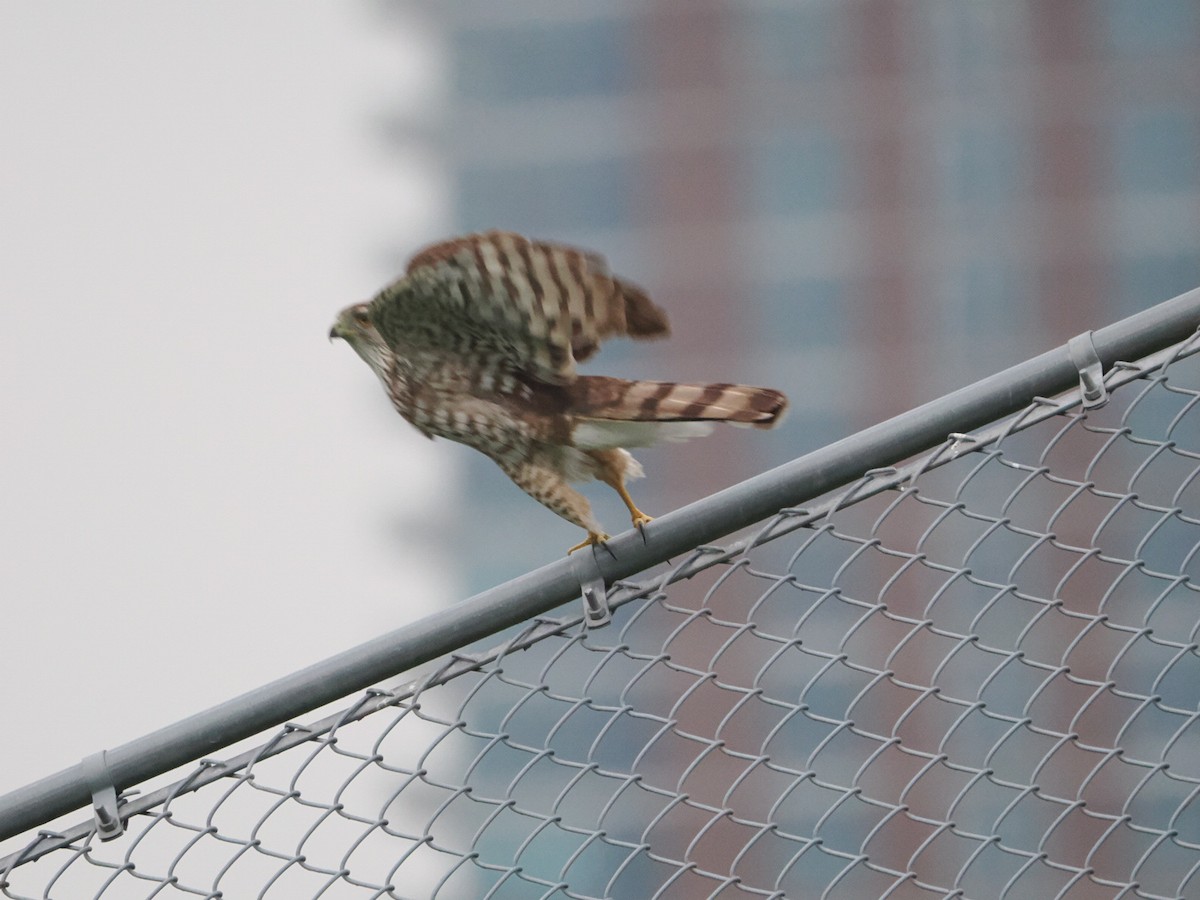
x,y
104,796
596,613
1091,371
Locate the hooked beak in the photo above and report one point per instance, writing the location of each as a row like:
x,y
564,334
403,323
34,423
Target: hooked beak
x,y
334,332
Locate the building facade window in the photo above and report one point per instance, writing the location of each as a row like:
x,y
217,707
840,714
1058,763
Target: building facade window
x,y
796,172
541,61
547,199
1155,151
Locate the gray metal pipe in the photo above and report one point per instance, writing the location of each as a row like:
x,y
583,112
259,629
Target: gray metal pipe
x,y
702,522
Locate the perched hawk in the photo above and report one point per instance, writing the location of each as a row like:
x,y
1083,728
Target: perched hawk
x,y
478,341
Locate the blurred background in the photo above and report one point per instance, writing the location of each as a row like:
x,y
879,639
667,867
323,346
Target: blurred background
x,y
865,204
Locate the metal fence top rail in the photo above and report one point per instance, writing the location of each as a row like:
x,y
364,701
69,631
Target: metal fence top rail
x,y
535,593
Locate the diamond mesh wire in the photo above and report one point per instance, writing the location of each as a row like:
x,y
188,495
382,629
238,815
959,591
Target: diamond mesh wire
x,y
973,676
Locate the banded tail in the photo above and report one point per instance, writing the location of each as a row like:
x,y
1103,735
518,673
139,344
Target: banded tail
x,y
612,412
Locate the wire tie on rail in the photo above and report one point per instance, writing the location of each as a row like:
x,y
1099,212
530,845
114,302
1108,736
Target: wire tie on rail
x,y
1091,370
596,612
104,796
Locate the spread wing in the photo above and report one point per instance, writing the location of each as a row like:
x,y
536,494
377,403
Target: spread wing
x,y
540,306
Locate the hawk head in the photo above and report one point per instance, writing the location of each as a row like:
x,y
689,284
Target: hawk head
x,y
354,326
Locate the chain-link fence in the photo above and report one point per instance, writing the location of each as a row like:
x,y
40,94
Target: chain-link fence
x,y
974,674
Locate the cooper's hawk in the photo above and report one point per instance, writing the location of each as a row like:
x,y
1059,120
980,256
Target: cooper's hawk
x,y
478,341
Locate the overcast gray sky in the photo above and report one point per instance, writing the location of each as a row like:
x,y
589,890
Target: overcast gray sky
x,y
199,492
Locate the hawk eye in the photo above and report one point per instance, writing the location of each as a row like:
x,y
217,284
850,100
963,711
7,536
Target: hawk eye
x,y
360,316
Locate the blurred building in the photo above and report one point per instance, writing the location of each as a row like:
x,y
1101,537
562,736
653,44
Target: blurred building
x,y
866,204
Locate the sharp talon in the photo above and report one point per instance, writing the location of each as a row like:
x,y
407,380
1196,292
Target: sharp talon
x,y
594,537
640,522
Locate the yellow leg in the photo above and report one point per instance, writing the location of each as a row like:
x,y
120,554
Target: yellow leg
x,y
611,470
639,518
594,537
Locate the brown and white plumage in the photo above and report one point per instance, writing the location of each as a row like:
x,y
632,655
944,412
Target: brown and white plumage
x,y
478,342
